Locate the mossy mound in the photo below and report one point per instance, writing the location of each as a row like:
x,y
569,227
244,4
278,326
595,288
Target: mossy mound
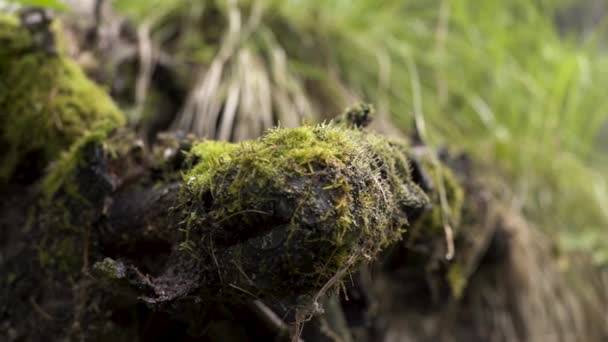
x,y
47,103
292,211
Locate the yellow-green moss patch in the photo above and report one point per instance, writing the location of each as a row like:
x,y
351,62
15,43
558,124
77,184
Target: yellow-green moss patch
x,y
297,206
47,102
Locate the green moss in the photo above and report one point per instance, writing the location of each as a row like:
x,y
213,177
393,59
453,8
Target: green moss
x,y
357,116
47,103
59,245
13,38
393,153
73,190
206,156
447,197
456,279
110,269
454,193
63,171
296,206
281,153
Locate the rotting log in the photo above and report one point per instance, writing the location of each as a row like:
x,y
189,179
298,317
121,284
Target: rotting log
x,y
282,219
174,227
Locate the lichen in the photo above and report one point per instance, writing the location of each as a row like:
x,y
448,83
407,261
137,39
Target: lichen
x,y
110,269
47,103
287,212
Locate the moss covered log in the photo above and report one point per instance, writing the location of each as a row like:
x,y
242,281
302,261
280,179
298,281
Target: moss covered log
x,y
184,224
47,102
285,214
282,219
272,217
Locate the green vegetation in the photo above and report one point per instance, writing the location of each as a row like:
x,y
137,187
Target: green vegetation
x,y
52,4
47,102
188,225
492,78
64,170
327,197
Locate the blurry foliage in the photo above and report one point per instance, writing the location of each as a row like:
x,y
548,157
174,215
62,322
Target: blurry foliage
x,y
493,78
53,4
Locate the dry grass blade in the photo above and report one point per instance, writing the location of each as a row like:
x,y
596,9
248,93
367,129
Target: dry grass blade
x,y
255,110
290,98
247,107
230,107
203,100
147,60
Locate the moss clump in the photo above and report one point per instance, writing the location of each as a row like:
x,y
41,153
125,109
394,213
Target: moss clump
x,y
288,212
65,169
13,38
207,156
357,116
73,191
110,269
47,103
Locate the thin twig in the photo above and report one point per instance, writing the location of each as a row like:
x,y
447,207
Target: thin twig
x,y
40,311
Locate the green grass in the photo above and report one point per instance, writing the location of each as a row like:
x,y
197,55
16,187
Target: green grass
x,y
53,4
492,78
507,88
